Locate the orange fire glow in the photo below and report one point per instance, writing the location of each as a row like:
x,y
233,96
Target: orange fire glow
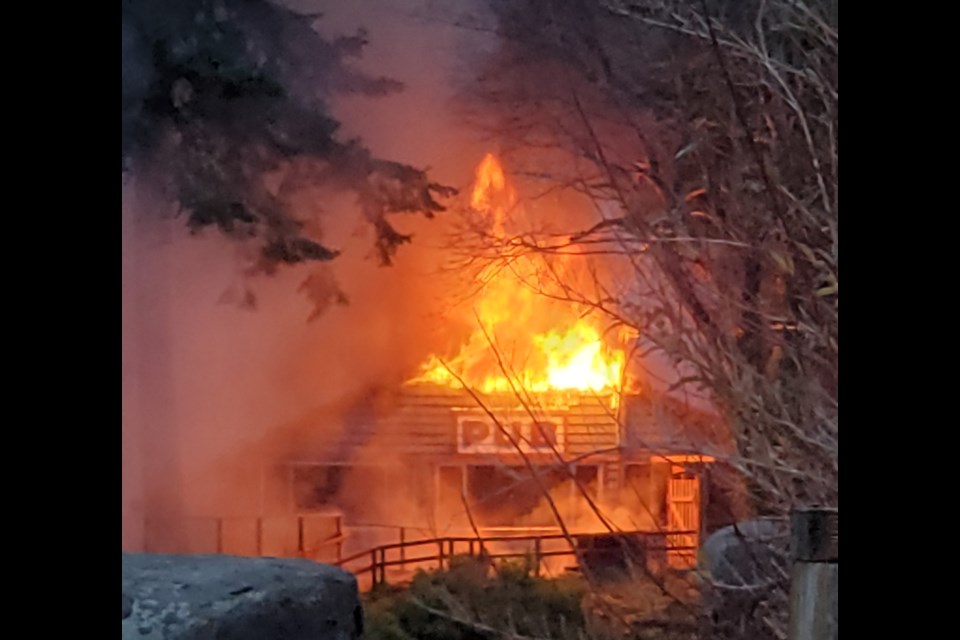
x,y
524,341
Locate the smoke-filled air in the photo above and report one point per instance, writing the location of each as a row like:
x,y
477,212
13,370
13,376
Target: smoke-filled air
x,y
479,319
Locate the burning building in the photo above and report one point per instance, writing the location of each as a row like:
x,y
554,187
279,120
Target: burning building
x,y
533,421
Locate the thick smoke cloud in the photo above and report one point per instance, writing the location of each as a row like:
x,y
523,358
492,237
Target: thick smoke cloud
x,y
215,357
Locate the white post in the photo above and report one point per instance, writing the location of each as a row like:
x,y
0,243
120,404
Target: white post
x,y
814,588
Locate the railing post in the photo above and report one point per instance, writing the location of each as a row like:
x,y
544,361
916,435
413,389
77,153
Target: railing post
x,y
373,568
300,535
339,534
536,556
403,550
470,547
814,585
383,566
440,555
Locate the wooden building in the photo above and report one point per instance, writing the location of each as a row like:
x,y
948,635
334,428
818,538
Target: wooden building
x,y
433,461
430,461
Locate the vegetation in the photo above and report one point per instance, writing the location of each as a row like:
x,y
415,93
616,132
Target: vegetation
x,y
704,134
471,602
225,109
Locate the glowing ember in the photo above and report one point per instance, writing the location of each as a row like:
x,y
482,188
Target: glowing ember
x,y
542,347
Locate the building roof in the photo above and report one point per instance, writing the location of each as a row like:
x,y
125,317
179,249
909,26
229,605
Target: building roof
x,y
422,419
662,423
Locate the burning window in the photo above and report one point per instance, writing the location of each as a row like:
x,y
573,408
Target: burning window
x,y
316,486
645,489
510,495
588,479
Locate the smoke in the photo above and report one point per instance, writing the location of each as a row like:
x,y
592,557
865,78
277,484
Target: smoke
x,y
220,368
226,370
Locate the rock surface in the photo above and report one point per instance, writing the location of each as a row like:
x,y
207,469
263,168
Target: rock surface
x,y
186,597
749,555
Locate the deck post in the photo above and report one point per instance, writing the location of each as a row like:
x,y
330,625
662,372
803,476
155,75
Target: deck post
x,y
814,585
536,556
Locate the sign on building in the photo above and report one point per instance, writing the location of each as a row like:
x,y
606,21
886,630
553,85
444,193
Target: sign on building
x,y
479,433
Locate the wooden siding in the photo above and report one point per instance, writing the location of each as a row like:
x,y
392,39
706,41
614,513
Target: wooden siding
x,y
424,422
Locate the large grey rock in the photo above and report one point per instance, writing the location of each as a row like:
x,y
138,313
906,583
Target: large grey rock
x,y
748,555
187,597
747,565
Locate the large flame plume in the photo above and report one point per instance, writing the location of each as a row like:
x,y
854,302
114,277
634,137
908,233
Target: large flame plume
x,y
523,340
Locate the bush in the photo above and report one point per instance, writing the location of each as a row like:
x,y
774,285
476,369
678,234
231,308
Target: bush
x,y
471,602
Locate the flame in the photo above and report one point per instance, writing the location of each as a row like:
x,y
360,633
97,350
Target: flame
x,y
490,183
523,341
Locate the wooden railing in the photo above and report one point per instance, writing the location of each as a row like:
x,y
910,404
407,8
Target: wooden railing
x,y
312,535
439,551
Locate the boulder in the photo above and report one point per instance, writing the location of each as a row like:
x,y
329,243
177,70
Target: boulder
x,y
186,597
747,564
